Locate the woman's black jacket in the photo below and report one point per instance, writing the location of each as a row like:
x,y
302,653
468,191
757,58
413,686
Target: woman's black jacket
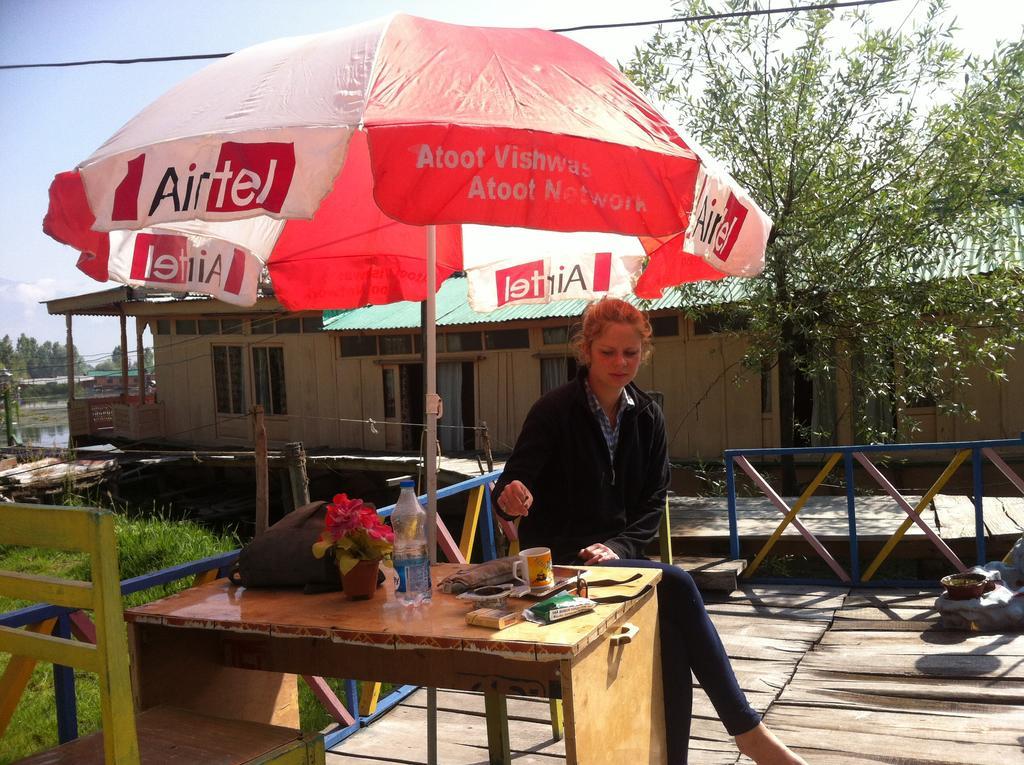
x,y
579,496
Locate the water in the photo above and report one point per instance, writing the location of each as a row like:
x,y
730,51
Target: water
x,y
413,567
410,552
41,426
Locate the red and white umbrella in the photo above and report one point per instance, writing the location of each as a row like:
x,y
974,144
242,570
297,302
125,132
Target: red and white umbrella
x,y
504,127
342,161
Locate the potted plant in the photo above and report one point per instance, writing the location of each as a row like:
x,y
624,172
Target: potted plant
x,y
360,542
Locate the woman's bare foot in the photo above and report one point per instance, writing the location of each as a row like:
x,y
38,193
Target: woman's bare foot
x,y
761,745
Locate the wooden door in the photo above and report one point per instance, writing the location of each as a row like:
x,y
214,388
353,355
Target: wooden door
x,y
392,410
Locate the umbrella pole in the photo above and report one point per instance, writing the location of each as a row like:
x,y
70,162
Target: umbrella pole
x,y
430,453
432,403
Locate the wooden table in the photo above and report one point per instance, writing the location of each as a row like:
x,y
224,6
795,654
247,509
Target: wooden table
x,y
199,649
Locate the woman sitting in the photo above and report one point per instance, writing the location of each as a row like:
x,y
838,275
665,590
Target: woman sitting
x,y
588,478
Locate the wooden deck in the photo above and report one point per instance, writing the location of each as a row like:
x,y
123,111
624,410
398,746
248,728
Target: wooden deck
x,y
843,676
700,525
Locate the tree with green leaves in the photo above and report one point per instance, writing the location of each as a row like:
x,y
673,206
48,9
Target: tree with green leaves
x,y
114,363
886,159
27,357
6,352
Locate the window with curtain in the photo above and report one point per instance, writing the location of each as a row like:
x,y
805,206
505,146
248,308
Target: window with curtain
x,y
823,410
449,388
268,376
390,394
228,379
556,371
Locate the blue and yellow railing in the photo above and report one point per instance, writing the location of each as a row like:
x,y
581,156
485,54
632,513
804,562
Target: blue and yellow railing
x,y
852,456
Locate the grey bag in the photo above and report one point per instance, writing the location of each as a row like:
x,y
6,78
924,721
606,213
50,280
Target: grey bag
x,y
283,555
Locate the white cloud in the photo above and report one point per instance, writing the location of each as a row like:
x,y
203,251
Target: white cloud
x,y
22,312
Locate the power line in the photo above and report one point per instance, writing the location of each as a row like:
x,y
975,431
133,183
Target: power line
x,y
585,27
732,15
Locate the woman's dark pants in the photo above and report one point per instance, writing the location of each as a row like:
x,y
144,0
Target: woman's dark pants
x,y
690,642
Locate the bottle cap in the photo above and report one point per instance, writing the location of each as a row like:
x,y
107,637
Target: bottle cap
x,y
406,484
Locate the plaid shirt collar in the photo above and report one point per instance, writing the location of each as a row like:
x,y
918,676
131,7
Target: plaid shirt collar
x,y
611,432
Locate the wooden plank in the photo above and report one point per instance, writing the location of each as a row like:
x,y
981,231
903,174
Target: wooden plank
x,y
746,647
498,744
783,596
46,589
888,597
698,755
617,690
474,499
15,468
998,522
913,738
762,676
826,689
877,625
1001,691
48,648
711,573
68,528
709,735
1014,509
702,706
821,616
955,516
177,737
889,618
908,665
764,627
931,641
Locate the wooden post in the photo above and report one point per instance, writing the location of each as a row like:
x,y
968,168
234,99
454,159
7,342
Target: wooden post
x,y
262,471
140,357
124,358
486,438
295,456
71,358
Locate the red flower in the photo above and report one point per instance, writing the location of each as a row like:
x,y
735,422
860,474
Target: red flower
x,y
344,516
355,530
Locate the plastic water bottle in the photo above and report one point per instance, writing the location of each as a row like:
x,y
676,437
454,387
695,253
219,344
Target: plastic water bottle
x,y
412,563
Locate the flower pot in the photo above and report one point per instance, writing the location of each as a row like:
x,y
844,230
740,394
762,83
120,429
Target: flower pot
x,y
360,583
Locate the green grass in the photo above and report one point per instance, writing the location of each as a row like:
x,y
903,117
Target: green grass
x,y
144,545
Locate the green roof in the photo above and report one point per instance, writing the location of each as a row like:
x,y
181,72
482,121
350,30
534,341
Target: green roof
x,y
111,373
453,309
453,302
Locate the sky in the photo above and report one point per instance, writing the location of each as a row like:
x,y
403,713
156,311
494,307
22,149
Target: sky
x,y
51,119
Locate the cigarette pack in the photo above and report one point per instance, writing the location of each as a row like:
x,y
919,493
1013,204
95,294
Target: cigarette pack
x,y
561,606
495,618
